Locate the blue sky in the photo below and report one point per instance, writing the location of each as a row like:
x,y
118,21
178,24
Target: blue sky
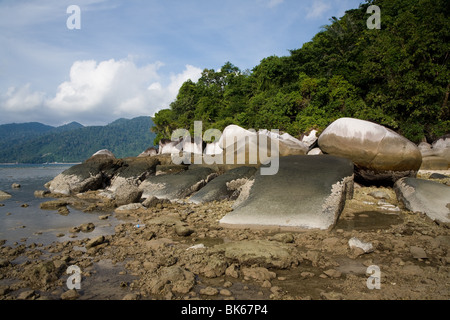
x,y
130,57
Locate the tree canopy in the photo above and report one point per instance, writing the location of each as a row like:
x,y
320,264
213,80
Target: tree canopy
x,y
397,76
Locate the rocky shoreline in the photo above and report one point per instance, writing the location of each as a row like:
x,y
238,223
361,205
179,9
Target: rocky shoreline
x,y
180,251
228,232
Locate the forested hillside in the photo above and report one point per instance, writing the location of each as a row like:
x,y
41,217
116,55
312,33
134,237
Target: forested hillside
x,y
397,76
72,143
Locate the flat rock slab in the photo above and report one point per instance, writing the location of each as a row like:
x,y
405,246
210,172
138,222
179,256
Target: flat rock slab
x,y
308,192
176,186
429,197
263,253
217,189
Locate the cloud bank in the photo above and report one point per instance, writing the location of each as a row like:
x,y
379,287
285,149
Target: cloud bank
x,y
98,92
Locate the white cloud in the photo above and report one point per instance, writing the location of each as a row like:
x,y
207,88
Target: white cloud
x,y
22,99
99,92
317,10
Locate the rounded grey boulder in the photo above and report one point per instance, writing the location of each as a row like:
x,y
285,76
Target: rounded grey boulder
x,y
379,154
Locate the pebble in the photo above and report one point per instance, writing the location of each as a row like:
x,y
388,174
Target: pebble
x,y
95,242
70,295
225,292
307,274
25,295
209,291
379,195
418,253
183,231
64,211
332,273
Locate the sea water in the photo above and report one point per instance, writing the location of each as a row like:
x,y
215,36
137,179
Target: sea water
x,y
21,219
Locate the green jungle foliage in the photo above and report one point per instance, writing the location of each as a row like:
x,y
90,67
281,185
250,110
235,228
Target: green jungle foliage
x,y
397,76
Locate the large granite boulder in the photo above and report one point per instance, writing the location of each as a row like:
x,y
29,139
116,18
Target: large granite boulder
x,y
308,192
379,154
176,186
429,197
434,163
310,139
218,189
89,175
167,146
124,184
436,156
441,147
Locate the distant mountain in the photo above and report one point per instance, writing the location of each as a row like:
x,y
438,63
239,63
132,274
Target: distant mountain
x,y
38,143
22,131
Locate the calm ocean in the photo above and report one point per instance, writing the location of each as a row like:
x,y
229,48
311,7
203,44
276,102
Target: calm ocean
x,y
31,224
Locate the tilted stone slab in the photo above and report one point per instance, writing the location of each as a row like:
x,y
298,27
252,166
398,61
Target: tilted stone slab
x,y
218,189
429,197
176,186
308,192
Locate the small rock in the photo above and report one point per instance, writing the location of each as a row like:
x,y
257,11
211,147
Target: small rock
x,y
4,195
307,274
74,229
331,295
283,237
53,204
197,246
41,193
276,289
418,253
258,273
4,290
87,227
95,242
103,217
232,271
151,202
332,273
25,205
25,295
64,211
70,295
225,292
379,195
183,231
131,296
356,243
438,176
209,291
4,263
15,186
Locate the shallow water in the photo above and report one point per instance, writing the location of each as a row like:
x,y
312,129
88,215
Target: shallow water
x,y
368,220
31,224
